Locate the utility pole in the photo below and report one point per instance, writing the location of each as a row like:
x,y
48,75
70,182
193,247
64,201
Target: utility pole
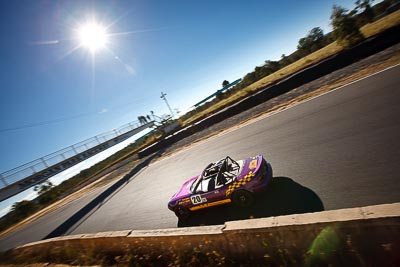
x,y
166,102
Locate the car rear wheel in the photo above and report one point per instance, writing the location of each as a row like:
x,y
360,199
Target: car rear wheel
x,y
182,212
242,198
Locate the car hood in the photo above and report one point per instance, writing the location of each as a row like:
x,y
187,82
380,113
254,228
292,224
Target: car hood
x,y
184,191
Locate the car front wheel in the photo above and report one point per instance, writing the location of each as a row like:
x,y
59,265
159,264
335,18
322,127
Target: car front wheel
x,y
182,212
242,198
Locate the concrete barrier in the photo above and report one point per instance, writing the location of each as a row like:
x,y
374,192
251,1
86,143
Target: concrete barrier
x,y
366,236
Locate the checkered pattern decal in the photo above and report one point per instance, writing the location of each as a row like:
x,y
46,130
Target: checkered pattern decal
x,y
239,183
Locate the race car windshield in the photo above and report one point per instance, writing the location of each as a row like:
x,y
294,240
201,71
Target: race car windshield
x,y
195,184
221,167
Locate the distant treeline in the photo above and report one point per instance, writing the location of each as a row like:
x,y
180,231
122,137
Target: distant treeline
x,y
344,22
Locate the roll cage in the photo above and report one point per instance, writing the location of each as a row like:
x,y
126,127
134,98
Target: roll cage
x,y
216,175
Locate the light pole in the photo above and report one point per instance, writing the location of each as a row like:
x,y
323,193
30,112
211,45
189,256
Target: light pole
x,y
166,102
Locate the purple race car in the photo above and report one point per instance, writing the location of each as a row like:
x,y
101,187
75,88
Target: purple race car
x,y
220,183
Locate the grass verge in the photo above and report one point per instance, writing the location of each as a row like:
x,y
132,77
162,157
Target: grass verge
x,y
367,71
368,30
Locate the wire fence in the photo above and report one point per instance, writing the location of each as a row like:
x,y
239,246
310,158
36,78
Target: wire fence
x,y
28,169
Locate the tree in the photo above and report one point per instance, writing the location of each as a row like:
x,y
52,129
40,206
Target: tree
x,y
364,7
249,78
23,208
345,30
271,66
260,72
46,192
363,4
225,83
285,60
43,187
312,42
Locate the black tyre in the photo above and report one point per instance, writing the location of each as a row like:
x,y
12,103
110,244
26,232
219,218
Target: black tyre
x,y
182,212
242,198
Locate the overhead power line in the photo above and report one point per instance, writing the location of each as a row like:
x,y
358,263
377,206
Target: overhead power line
x,y
44,122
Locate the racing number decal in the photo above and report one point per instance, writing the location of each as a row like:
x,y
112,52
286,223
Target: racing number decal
x,y
197,199
253,164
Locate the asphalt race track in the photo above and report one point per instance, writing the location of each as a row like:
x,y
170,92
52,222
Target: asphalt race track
x,y
339,150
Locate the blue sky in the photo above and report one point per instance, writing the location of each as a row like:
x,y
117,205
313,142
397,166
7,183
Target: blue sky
x,y
184,48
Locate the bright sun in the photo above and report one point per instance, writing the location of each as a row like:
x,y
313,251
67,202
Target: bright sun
x,y
92,36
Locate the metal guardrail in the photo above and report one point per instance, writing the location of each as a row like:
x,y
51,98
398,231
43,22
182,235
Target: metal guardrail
x,y
19,173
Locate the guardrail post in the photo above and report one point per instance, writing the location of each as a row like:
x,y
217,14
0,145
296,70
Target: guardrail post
x,y
33,169
73,148
97,139
44,162
3,180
